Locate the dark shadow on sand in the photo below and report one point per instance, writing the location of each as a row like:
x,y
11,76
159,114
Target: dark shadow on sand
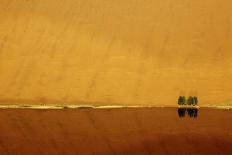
x,y
192,112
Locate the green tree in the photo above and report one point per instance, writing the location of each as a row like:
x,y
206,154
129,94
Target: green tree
x,y
190,100
195,100
181,100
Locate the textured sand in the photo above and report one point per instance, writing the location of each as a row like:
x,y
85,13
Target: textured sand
x,y
115,52
143,131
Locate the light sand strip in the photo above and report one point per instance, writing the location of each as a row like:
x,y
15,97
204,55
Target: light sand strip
x,y
103,107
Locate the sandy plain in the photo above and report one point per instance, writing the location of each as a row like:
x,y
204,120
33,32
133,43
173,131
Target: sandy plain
x,y
124,131
111,52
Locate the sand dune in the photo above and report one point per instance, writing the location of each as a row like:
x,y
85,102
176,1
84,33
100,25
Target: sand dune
x,y
115,52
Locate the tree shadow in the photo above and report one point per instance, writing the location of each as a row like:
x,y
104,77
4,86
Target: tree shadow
x,y
181,112
192,112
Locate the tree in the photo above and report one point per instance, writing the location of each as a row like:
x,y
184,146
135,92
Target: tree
x,y
181,100
195,100
190,100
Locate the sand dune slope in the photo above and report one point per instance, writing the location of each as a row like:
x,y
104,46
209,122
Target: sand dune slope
x,y
115,52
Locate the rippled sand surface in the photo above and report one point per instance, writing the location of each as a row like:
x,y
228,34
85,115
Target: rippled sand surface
x,y
115,51
125,131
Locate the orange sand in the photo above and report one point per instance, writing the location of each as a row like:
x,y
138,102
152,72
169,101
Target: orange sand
x,y
115,51
143,131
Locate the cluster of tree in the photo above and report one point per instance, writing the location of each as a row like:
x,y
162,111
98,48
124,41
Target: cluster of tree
x,y
192,100
192,112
